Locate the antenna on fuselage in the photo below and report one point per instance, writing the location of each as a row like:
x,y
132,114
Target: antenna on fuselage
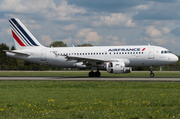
x,y
149,44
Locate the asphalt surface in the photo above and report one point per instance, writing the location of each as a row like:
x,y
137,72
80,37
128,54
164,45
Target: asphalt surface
x,y
169,79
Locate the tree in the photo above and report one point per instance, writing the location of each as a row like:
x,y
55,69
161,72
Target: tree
x,y
84,45
12,61
58,44
3,57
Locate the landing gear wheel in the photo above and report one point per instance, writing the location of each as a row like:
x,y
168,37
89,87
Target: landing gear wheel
x,y
151,70
91,74
152,74
97,74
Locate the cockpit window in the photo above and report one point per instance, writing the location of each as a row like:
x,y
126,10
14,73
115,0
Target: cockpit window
x,y
165,52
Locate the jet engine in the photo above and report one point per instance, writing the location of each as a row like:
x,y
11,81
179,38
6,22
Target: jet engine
x,y
117,68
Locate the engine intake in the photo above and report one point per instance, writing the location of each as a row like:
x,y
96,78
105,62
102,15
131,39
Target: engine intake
x,y
117,68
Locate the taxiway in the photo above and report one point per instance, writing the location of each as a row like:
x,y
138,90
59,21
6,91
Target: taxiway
x,y
88,79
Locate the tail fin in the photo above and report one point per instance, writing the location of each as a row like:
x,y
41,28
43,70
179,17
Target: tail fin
x,y
22,37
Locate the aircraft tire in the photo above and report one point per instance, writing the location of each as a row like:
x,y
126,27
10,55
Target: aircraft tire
x,y
97,74
91,74
152,74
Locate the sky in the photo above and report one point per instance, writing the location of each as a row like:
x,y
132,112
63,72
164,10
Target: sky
x,y
98,22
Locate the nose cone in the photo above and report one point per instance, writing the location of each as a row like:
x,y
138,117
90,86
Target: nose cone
x,y
174,59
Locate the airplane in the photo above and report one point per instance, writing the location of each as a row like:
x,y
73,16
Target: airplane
x,y
113,59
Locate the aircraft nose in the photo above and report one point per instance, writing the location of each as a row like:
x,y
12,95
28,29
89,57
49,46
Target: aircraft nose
x,y
175,58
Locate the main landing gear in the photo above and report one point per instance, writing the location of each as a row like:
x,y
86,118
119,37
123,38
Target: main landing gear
x,y
151,70
94,74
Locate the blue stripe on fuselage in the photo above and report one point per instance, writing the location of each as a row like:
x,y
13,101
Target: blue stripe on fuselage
x,y
24,32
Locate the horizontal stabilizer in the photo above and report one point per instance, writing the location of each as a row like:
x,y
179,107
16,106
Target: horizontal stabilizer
x,y
17,52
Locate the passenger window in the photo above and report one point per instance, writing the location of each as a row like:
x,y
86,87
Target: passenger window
x,y
122,52
94,53
109,53
114,53
102,53
77,53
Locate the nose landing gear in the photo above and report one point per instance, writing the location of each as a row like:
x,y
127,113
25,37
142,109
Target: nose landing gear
x,y
151,70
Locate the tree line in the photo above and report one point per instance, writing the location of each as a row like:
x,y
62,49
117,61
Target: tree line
x,y
9,63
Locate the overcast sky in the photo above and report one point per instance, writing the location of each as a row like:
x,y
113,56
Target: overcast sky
x,y
98,22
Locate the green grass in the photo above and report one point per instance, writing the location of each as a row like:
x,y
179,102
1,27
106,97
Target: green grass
x,y
89,99
85,74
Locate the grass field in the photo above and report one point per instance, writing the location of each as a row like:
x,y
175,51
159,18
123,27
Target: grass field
x,y
89,99
85,73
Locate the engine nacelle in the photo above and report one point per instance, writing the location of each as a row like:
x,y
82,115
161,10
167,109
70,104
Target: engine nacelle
x,y
117,68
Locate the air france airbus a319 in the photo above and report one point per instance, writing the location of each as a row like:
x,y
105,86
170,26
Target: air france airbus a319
x,y
113,59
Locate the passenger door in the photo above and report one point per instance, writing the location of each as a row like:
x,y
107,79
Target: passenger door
x,y
151,53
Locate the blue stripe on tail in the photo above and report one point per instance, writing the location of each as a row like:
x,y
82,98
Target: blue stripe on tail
x,y
19,32
18,35
24,32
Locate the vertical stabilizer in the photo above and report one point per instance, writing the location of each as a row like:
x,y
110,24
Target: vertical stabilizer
x,y
22,37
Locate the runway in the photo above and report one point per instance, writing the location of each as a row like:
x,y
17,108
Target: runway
x,y
89,79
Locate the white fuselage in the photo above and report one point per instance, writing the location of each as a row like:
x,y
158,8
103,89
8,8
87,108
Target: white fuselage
x,y
132,56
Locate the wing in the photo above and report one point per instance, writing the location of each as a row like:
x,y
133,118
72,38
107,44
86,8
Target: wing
x,y
92,61
86,60
95,61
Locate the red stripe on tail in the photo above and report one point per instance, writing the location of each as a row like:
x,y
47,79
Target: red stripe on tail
x,y
17,39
